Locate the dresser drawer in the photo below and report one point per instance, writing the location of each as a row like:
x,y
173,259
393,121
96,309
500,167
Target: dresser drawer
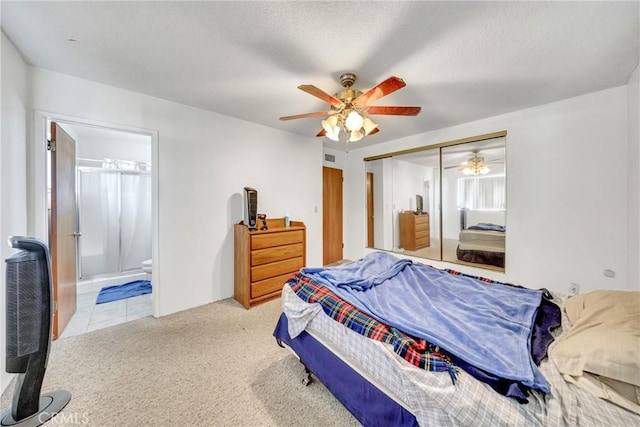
x,y
267,286
424,227
277,268
421,219
278,253
269,240
424,234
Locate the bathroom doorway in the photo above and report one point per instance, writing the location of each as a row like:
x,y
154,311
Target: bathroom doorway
x,y
114,202
114,220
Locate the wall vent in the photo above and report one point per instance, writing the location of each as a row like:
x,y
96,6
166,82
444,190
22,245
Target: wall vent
x,y
330,158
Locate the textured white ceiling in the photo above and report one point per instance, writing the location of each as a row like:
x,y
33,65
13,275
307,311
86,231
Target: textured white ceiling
x,y
462,61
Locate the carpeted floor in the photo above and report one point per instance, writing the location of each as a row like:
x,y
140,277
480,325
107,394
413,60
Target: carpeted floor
x,y
216,365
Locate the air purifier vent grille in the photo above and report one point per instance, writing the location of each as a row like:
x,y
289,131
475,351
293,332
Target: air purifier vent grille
x,y
28,325
24,302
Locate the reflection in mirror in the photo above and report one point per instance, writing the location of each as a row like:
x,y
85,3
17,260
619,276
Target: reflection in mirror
x,y
406,192
474,203
416,181
379,203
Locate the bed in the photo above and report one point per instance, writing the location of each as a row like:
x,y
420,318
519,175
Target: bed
x,y
385,375
482,237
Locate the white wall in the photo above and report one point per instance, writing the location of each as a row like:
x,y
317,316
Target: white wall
x,y
633,194
13,173
204,161
340,157
566,191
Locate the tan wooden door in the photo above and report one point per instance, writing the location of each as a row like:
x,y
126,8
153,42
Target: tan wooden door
x,y
331,215
370,239
63,231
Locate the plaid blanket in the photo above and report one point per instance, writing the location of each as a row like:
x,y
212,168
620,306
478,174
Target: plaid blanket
x,y
416,351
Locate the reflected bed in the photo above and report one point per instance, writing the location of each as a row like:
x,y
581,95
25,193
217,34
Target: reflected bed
x,y
481,242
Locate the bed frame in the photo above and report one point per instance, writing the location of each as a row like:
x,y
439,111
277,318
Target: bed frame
x,y
366,402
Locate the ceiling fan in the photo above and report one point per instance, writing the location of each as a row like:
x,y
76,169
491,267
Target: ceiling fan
x,y
350,108
476,165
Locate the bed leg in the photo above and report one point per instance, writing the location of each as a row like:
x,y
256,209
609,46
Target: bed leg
x,y
307,379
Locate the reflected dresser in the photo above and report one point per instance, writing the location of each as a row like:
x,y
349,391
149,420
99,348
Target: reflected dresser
x,y
414,230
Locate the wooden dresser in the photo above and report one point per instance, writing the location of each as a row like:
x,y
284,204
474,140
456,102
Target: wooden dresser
x,y
265,260
414,231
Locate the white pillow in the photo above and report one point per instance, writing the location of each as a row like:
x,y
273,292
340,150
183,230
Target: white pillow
x,y
604,340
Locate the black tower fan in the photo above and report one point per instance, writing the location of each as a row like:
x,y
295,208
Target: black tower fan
x,y
251,208
29,314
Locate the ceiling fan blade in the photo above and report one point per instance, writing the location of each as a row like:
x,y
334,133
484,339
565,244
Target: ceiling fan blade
x,y
319,93
388,86
302,116
394,111
373,132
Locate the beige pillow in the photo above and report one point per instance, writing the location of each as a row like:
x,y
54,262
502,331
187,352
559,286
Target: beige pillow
x,y
604,339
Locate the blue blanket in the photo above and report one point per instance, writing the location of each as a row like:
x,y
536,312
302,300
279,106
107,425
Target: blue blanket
x,y
487,226
487,325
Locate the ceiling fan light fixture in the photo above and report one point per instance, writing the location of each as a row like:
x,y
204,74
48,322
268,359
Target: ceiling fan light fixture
x,y
368,125
475,166
329,124
333,134
354,121
355,135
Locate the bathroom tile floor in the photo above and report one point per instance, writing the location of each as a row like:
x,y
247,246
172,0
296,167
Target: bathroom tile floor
x,y
90,316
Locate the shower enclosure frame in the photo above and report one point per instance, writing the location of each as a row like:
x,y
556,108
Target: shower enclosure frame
x,y
119,173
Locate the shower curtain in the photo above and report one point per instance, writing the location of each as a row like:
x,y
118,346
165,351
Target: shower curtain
x,y
115,221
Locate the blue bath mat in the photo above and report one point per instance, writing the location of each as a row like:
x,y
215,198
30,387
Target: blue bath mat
x,y
128,290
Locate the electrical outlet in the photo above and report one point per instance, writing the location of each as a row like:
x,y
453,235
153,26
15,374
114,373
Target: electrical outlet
x,y
574,289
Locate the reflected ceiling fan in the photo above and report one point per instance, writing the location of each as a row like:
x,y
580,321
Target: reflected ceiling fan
x,y
476,165
350,108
